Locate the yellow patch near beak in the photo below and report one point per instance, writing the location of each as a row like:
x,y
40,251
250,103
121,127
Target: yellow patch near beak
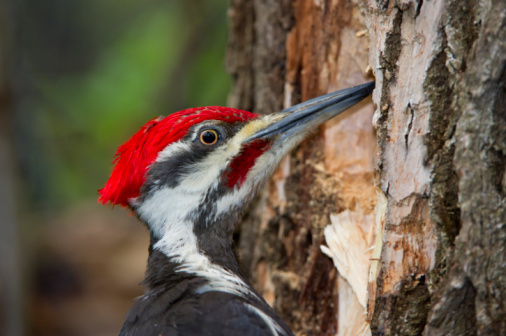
x,y
257,125
250,129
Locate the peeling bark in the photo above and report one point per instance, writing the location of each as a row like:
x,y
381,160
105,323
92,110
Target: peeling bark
x,y
432,169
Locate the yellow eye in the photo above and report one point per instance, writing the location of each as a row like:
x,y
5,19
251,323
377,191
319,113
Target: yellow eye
x,y
209,137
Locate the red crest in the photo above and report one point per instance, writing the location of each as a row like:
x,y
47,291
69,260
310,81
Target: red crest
x,y
134,157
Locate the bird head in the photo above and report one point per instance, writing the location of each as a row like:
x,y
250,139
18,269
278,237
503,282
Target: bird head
x,y
202,166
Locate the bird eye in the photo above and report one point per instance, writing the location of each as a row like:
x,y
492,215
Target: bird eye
x,y
209,137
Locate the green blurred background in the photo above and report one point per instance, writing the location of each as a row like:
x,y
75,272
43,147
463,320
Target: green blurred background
x,y
78,78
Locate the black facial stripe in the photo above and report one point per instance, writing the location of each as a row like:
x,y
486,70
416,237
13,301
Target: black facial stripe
x,y
204,214
170,172
214,232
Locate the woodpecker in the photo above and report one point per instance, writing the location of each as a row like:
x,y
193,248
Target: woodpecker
x,y
188,177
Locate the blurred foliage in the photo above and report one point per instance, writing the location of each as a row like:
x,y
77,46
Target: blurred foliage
x,y
89,73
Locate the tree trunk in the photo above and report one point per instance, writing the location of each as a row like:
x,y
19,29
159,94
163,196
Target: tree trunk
x,y
408,193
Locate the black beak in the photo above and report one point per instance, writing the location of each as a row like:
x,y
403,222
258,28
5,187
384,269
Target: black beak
x,y
306,116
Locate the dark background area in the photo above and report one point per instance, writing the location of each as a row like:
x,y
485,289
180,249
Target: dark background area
x,y
78,78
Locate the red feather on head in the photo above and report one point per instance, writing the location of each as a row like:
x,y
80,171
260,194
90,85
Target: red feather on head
x,y
134,157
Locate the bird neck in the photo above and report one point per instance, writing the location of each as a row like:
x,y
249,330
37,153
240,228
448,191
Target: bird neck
x,y
168,277
190,252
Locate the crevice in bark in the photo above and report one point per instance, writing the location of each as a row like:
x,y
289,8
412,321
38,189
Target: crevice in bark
x,y
411,306
445,211
388,62
418,8
457,38
498,154
461,30
393,47
460,301
316,291
410,126
438,89
383,4
444,207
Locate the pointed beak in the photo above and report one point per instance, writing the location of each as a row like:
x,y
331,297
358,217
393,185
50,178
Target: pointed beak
x,y
295,122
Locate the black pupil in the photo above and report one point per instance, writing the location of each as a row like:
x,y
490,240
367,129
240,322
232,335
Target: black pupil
x,y
209,137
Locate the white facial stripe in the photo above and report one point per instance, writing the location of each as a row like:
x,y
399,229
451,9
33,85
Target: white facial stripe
x,y
179,243
165,207
206,174
172,149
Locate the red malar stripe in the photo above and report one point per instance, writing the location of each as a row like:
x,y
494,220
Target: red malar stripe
x,y
242,164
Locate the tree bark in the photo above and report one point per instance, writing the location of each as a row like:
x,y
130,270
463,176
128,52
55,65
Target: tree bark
x,y
415,181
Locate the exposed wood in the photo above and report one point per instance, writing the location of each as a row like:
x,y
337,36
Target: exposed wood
x,y
280,241
350,238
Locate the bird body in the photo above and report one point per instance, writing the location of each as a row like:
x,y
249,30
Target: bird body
x,y
189,177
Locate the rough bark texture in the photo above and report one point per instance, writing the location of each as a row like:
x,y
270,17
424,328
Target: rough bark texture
x,y
472,298
439,148
440,76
